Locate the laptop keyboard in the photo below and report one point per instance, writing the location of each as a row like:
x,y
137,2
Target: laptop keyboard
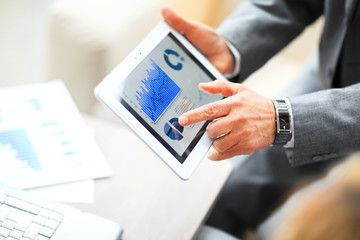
x,y
22,220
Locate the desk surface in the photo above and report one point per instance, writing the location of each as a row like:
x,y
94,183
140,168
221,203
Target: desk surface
x,y
144,195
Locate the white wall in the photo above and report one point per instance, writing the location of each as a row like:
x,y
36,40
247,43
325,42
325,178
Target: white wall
x,y
23,27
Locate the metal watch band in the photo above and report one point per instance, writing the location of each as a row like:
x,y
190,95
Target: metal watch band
x,y
282,121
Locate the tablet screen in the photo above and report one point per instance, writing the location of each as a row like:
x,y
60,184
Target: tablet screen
x,y
164,86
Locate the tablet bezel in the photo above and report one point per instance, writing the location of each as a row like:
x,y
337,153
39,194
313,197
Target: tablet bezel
x,y
106,93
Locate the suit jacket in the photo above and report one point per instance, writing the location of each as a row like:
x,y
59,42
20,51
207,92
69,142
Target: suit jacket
x,y
326,123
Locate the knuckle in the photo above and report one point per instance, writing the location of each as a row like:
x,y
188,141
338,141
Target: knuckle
x,y
242,119
213,130
210,110
220,147
246,132
238,100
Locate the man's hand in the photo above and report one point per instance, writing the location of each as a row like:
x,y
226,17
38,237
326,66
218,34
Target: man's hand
x,y
245,120
211,44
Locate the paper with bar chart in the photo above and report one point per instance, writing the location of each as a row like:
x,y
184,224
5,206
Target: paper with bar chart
x,y
43,139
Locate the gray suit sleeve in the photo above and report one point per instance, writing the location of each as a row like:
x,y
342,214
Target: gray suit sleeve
x,y
261,28
326,124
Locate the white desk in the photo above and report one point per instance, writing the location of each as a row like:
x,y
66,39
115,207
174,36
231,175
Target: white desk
x,y
144,195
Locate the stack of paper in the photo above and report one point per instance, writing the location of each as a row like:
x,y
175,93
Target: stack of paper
x,y
43,139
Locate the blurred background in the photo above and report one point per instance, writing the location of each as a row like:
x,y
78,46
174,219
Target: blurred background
x,y
81,41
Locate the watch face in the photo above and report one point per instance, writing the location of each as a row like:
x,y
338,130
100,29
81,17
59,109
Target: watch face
x,y
284,120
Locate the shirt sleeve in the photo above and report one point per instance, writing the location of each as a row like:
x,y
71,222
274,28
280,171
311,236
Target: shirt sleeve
x,y
237,58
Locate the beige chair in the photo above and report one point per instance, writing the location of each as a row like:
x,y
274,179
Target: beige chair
x,y
87,39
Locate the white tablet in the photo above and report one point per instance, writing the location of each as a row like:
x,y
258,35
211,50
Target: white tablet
x,y
154,85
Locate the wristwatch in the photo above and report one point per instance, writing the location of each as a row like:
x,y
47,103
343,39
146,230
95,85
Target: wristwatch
x,y
282,122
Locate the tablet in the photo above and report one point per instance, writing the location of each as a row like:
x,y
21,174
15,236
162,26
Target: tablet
x,y
155,84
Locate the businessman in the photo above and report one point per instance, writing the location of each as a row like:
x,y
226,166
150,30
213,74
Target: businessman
x,y
292,138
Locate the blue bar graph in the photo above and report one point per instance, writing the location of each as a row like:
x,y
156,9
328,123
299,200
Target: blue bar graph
x,y
19,141
158,92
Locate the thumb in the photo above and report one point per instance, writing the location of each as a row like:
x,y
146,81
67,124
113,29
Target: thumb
x,y
176,21
226,88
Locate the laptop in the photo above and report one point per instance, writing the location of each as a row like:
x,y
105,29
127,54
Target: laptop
x,y
24,216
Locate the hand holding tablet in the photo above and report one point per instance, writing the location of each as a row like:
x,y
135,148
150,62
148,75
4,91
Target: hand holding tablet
x,y
205,39
153,86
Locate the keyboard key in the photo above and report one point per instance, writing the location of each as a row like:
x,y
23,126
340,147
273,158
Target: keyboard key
x,y
33,231
40,220
11,201
4,232
52,224
47,232
25,206
16,234
34,209
9,224
24,222
15,214
4,212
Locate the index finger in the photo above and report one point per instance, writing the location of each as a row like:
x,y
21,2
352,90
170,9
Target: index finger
x,y
207,112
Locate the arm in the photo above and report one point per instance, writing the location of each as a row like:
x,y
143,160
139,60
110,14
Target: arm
x,y
259,29
326,124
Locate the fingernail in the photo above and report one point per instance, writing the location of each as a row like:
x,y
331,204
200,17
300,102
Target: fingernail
x,y
183,120
211,155
204,83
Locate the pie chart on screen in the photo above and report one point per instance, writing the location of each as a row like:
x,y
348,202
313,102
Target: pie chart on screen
x,y
173,129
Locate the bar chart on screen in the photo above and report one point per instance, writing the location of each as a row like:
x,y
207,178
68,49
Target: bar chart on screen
x,y
158,92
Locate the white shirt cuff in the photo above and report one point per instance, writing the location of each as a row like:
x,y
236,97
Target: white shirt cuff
x,y
237,58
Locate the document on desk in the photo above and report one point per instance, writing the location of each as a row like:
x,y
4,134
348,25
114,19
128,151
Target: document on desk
x,y
43,139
